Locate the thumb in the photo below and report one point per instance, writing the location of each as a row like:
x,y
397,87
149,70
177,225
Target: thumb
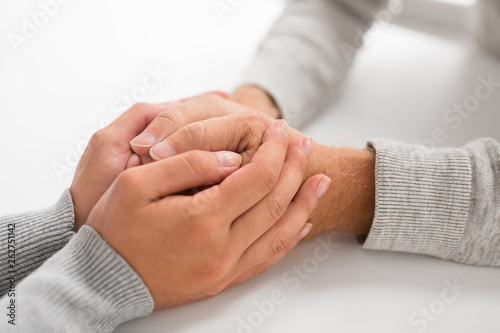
x,y
185,171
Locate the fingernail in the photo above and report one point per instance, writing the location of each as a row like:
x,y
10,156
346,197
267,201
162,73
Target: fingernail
x,y
323,186
280,126
307,145
162,150
303,233
228,159
145,139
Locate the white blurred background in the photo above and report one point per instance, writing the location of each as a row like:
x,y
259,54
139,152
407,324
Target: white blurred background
x,y
72,74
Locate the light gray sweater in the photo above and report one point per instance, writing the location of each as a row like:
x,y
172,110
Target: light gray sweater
x,y
75,284
441,202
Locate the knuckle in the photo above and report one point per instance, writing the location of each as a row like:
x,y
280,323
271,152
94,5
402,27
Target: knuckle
x,y
193,212
190,213
247,155
195,133
253,121
253,115
278,244
269,178
139,107
219,283
277,206
300,163
128,180
195,159
98,137
252,126
261,269
215,272
202,200
173,117
195,162
302,167
250,115
216,288
307,205
248,122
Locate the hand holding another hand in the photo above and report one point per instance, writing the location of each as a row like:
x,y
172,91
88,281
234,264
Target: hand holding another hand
x,y
187,248
212,123
207,122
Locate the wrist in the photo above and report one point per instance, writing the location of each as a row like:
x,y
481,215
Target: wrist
x,y
257,99
349,205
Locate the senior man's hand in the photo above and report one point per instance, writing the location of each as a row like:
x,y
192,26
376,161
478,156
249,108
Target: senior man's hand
x,y
188,248
244,134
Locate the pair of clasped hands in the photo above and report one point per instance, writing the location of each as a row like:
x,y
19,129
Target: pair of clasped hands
x,y
191,247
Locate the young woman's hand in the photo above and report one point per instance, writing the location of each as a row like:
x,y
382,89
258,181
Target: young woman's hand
x,y
107,155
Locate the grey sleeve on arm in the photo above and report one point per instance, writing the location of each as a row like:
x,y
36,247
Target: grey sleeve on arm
x,y
440,202
308,53
29,239
85,287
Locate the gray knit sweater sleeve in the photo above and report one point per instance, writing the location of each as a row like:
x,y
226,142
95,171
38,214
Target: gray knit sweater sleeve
x,y
85,287
28,240
441,202
307,55
305,58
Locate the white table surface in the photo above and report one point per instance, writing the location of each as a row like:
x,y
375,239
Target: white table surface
x,y
66,79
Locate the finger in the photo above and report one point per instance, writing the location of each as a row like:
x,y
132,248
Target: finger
x,y
223,133
146,160
183,113
263,267
133,161
255,222
204,135
275,240
250,184
183,172
133,121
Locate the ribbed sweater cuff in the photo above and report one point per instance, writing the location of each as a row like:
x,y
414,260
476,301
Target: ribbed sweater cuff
x,y
422,198
85,287
37,235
